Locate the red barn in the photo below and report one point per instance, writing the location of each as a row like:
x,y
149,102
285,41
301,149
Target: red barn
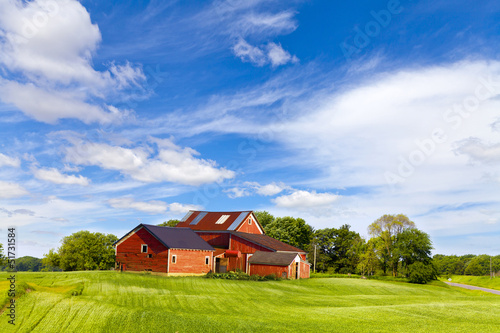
x,y
210,241
237,236
175,251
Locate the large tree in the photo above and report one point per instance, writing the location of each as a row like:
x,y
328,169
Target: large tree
x,y
290,230
414,249
338,249
386,229
83,250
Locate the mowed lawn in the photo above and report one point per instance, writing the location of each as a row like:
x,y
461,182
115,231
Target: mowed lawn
x,y
124,302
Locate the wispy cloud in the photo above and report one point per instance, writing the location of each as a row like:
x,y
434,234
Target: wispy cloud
x,y
55,176
252,188
479,151
11,190
151,207
270,54
9,161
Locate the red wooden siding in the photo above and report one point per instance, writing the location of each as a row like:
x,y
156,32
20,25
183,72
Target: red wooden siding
x,y
264,270
250,228
128,253
305,270
190,262
215,239
245,246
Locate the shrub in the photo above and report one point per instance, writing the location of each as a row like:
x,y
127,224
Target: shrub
x,y
239,275
418,272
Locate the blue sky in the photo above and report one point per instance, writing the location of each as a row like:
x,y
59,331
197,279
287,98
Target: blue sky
x,y
119,113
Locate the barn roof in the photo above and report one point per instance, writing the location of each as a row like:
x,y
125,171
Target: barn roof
x,y
174,238
272,258
216,221
268,242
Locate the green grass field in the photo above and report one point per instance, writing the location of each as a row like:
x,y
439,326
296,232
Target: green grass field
x,y
114,302
480,281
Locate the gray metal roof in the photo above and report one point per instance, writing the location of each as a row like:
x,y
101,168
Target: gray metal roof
x,y
178,238
272,258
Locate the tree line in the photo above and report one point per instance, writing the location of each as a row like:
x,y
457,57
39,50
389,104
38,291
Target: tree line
x,y
468,264
395,247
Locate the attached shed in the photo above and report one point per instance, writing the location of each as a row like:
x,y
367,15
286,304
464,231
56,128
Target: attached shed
x,y
287,265
175,251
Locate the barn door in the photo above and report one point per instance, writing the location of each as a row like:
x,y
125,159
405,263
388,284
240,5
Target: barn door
x,y
221,265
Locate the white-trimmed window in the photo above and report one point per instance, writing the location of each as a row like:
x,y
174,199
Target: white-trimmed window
x,y
250,221
144,248
174,259
207,260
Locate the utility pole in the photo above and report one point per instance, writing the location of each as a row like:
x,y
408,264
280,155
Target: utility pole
x,y
314,268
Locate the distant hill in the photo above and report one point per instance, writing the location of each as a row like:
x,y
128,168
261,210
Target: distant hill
x,y
27,264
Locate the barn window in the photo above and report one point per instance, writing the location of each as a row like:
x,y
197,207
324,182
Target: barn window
x,y
144,248
149,255
207,260
250,221
174,259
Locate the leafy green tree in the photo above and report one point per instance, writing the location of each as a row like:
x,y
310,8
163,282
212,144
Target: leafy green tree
x,y
50,261
413,245
339,249
387,228
84,250
264,218
368,260
293,231
169,223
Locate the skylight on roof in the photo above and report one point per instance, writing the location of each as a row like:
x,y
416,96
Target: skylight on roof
x,y
198,218
222,219
187,216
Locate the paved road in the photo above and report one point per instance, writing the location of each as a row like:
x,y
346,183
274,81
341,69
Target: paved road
x,y
466,286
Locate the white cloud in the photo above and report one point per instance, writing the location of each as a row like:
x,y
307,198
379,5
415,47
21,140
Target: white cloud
x,y
11,190
271,54
271,189
172,163
237,192
152,207
55,176
479,151
250,188
46,55
277,56
9,161
303,199
249,53
178,208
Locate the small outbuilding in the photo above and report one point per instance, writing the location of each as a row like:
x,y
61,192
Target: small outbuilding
x,y
287,265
